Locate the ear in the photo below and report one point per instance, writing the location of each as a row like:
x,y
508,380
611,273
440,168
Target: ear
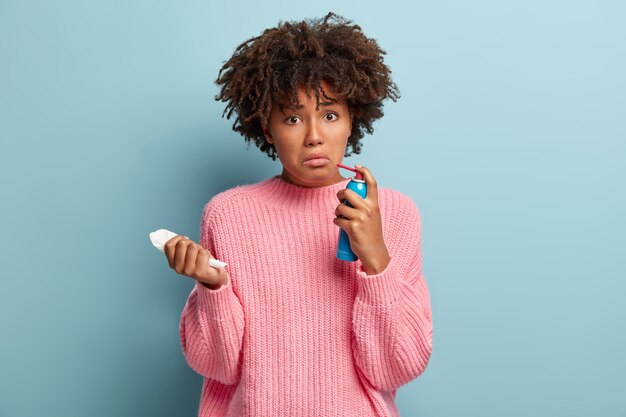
x,y
268,136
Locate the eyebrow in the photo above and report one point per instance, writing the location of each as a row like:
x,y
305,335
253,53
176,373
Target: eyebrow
x,y
322,103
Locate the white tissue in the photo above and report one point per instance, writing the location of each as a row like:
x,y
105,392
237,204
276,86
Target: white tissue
x,y
160,237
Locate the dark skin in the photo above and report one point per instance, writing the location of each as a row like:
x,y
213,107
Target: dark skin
x,y
190,259
362,223
249,79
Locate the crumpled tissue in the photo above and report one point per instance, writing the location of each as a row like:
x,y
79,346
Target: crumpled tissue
x,y
160,237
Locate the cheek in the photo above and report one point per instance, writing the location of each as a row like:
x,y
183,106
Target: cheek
x,y
287,149
344,131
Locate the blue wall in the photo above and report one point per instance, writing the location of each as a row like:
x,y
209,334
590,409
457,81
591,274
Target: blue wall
x,y
512,119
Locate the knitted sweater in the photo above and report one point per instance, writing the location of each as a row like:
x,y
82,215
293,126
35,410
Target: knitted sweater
x,y
296,331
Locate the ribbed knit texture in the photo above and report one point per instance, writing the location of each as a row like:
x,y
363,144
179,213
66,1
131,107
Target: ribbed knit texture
x,y
297,332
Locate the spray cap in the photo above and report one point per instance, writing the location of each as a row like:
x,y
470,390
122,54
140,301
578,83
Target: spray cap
x,y
358,176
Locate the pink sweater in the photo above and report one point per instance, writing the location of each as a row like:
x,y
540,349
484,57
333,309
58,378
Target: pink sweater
x,y
296,331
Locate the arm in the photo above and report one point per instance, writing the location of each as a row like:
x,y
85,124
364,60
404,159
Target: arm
x,y
392,324
212,322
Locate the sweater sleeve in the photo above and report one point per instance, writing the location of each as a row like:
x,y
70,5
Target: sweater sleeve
x,y
212,322
392,324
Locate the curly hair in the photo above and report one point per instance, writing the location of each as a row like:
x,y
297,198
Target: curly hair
x,y
269,68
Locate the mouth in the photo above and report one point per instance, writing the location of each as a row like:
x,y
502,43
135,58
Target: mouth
x,y
316,160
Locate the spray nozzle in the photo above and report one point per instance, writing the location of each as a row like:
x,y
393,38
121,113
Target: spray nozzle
x,y
358,176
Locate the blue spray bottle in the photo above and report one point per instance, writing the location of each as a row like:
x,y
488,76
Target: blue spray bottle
x,y
356,184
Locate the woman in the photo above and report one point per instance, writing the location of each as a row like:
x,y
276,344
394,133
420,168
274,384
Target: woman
x,y
289,329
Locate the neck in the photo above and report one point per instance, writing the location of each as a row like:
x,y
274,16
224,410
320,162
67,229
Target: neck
x,y
279,193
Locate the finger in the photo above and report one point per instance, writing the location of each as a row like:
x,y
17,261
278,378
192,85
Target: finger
x,y
340,196
202,261
206,273
352,197
179,255
346,212
343,223
190,259
170,248
370,182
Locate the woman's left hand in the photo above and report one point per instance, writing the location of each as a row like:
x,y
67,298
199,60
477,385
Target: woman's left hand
x,y
363,224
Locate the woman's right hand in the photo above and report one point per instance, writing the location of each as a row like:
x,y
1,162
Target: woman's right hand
x,y
191,260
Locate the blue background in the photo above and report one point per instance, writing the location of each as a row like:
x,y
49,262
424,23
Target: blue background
x,y
510,136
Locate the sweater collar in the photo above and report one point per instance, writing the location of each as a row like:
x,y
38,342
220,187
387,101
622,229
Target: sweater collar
x,y
287,196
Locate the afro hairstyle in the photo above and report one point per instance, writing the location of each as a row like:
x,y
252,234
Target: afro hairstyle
x,y
269,69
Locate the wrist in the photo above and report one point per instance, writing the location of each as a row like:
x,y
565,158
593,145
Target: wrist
x,y
211,287
376,267
216,285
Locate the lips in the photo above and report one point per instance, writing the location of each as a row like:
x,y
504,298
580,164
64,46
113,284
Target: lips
x,y
316,156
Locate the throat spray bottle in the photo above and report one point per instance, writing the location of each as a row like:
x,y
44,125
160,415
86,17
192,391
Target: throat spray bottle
x,y
356,184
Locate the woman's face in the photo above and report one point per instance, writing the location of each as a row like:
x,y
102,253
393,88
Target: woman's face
x,y
299,133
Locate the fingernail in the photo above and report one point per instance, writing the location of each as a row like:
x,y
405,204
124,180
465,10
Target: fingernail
x,y
358,166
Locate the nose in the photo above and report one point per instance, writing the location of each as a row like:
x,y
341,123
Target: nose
x,y
314,134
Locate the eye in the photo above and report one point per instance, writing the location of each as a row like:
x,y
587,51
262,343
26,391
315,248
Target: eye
x,y
291,120
333,116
